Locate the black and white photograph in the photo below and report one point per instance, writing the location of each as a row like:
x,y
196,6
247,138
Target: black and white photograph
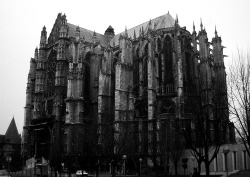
x,y
123,88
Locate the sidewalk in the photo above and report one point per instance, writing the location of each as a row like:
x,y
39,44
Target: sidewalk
x,y
243,173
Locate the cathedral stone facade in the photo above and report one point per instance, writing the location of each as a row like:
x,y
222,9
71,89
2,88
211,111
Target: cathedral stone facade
x,y
105,87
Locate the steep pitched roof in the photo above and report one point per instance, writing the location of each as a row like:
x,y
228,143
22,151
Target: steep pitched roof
x,y
11,135
164,21
88,35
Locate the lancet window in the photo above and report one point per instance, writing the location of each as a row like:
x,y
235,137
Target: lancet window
x,y
165,65
86,80
136,73
188,65
159,63
51,74
145,68
168,61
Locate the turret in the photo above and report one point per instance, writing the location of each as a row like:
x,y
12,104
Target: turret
x,y
203,43
43,39
109,32
176,24
142,31
194,38
217,49
30,91
63,33
126,32
40,76
36,54
149,25
77,33
94,37
134,35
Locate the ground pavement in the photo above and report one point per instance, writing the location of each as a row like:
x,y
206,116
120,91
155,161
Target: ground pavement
x,y
243,173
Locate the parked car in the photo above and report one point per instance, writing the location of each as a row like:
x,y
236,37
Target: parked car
x,y
81,173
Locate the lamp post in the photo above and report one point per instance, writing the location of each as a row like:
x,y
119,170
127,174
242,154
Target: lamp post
x,y
124,157
140,160
226,151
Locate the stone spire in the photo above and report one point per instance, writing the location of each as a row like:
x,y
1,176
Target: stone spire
x,y
215,32
176,23
94,37
142,31
201,25
193,27
43,39
36,54
150,25
126,32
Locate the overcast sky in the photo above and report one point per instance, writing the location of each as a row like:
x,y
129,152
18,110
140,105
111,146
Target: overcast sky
x,y
21,22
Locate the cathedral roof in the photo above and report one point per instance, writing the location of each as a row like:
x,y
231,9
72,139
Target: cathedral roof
x,y
164,21
88,35
11,135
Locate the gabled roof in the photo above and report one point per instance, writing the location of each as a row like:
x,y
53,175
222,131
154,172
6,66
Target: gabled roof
x,y
11,135
164,21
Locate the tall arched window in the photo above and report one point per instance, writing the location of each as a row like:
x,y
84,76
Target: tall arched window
x,y
51,73
159,61
168,61
86,82
188,65
136,72
145,67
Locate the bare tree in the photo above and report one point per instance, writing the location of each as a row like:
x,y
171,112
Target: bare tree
x,y
239,96
203,144
208,119
116,144
173,143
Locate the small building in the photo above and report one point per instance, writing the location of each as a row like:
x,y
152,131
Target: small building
x,y
231,158
10,148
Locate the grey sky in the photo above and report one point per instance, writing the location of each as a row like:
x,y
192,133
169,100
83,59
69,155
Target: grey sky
x,y
21,23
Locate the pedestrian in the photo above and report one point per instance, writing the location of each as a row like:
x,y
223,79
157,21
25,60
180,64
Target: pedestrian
x,y
196,173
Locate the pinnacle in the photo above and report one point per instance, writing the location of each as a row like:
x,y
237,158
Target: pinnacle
x,y
201,25
215,32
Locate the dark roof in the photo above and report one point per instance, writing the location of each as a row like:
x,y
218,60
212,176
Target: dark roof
x,y
11,135
88,35
2,139
164,21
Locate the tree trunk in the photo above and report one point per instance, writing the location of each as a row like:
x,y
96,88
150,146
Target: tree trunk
x,y
97,169
113,169
175,169
207,169
199,166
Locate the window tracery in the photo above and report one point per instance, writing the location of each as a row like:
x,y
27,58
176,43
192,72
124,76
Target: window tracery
x,y
51,68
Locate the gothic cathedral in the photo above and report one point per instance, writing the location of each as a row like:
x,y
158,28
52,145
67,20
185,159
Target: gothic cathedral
x,y
87,89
